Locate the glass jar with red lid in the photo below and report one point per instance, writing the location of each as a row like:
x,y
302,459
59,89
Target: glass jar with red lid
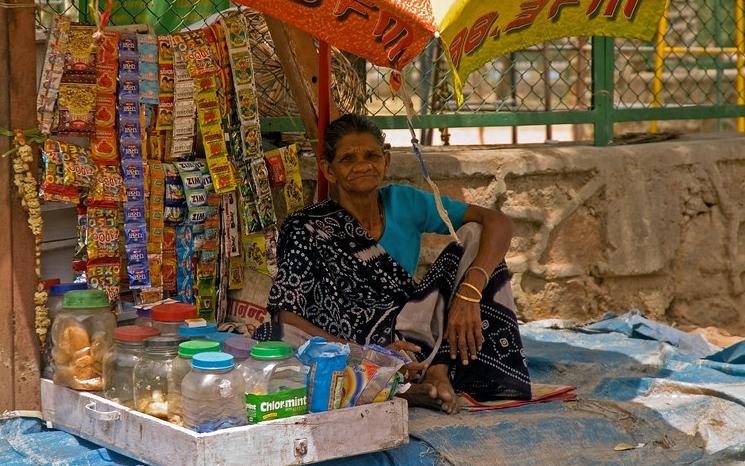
x,y
118,368
168,316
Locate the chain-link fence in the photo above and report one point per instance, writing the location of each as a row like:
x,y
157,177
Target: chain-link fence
x,y
697,61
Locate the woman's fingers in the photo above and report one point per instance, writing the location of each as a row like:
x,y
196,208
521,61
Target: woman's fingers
x,y
453,342
463,347
404,345
472,349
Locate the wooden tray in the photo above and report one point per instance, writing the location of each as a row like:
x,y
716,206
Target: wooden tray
x,y
296,440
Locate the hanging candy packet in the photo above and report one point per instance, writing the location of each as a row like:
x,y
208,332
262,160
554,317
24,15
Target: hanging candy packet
x,y
185,267
102,232
80,256
170,261
76,109
149,79
108,186
51,75
275,163
104,275
53,185
293,188
196,50
254,252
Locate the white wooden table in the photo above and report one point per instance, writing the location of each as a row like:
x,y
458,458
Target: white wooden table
x,y
296,440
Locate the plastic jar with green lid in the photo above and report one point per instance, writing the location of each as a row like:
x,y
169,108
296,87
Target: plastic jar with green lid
x,y
182,366
82,339
275,382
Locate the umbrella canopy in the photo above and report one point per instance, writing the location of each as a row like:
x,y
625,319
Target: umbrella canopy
x,y
392,33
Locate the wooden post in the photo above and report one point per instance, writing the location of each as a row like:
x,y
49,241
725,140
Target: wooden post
x,y
19,346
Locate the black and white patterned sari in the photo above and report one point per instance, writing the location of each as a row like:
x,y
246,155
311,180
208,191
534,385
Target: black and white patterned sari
x,y
333,274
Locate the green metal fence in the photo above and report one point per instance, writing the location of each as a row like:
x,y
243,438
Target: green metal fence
x,y
692,71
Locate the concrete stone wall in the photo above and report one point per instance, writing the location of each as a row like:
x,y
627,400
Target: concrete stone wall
x,y
659,227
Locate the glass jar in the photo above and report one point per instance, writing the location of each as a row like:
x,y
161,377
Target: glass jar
x,y
82,339
118,368
213,394
144,318
153,380
168,316
275,382
239,348
54,304
181,367
197,333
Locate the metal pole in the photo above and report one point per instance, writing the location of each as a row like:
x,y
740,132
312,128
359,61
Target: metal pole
x,y
324,99
659,63
602,88
717,58
740,20
546,87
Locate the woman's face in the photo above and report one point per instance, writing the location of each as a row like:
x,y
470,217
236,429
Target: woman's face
x,y
360,164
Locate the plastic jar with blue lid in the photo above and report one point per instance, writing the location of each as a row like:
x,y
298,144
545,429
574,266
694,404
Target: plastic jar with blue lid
x,y
197,333
213,393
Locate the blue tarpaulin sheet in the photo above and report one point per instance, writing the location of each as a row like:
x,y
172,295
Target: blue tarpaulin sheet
x,y
645,396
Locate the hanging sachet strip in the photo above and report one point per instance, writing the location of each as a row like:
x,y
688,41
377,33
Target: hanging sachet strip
x,y
166,77
213,137
103,143
183,111
51,74
149,74
76,103
130,145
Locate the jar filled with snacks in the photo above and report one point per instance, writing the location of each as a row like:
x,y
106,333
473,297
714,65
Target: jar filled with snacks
x,y
181,366
82,339
54,303
118,368
153,381
167,317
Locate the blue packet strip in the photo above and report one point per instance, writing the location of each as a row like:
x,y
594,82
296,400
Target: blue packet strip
x,y
136,255
134,213
139,276
135,235
185,268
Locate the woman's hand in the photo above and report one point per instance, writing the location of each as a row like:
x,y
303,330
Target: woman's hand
x,y
412,370
464,330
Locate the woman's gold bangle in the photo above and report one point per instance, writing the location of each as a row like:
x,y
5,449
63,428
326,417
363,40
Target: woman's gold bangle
x,y
468,285
466,298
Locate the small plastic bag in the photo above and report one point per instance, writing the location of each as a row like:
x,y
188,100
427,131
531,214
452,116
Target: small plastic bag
x,y
325,380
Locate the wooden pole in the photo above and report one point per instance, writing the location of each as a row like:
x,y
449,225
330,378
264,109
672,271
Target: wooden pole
x,y
324,101
7,398
18,109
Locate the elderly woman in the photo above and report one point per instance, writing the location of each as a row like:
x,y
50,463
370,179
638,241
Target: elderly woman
x,y
346,273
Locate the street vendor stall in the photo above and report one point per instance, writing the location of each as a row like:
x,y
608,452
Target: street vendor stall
x,y
154,138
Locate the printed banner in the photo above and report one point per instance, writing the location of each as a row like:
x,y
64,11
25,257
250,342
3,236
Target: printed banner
x,y
474,31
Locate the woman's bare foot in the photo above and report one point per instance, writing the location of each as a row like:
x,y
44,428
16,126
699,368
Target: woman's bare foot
x,y
435,391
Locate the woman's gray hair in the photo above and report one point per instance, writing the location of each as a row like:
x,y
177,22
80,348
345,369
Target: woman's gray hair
x,y
350,124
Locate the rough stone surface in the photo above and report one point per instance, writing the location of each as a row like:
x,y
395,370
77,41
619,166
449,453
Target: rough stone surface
x,y
659,227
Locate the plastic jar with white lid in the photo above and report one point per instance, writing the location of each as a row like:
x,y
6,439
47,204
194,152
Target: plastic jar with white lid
x,y
213,393
153,382
275,382
118,368
168,316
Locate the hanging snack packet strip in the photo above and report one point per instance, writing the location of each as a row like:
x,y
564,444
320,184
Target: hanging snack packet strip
x,y
245,87
133,173
293,188
166,79
185,266
170,262
76,106
174,212
156,205
208,260
264,202
183,111
213,137
80,257
149,76
51,75
195,49
53,185
254,251
196,196
231,246
78,168
103,143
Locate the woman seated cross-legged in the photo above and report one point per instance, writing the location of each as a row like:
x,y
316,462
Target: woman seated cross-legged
x,y
346,273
